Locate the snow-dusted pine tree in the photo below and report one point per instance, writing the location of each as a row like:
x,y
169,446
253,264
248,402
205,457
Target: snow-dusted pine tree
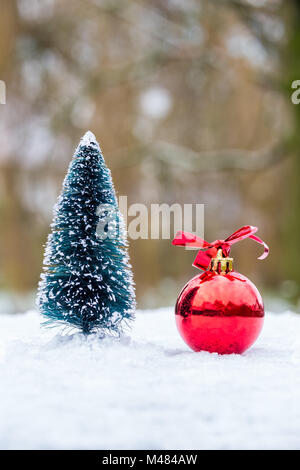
x,y
87,279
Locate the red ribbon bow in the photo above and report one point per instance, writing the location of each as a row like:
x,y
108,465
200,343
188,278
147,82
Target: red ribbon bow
x,y
203,258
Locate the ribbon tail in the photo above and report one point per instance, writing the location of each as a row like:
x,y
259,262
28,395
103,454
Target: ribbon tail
x,y
248,232
261,242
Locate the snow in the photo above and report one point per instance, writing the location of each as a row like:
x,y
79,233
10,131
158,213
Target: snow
x,y
148,390
89,140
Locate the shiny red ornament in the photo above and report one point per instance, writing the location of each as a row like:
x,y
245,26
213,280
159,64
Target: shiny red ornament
x,y
219,310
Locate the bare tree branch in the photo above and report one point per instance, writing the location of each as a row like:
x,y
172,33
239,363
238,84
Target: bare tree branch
x,y
204,161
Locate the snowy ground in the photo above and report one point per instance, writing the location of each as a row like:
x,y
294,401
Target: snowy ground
x,y
147,392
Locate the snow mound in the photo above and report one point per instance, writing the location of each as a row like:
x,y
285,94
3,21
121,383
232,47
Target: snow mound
x,y
147,391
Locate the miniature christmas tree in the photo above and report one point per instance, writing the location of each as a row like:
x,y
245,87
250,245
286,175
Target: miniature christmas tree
x,y
87,280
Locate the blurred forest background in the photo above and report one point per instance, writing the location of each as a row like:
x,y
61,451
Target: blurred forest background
x,y
191,103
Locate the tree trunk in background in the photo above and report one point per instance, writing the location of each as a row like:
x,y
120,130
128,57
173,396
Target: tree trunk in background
x,y
291,190
16,235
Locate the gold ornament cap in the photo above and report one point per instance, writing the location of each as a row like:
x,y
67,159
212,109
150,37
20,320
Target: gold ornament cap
x,y
221,264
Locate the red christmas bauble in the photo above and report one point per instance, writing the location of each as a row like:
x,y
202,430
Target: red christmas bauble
x,y
219,312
